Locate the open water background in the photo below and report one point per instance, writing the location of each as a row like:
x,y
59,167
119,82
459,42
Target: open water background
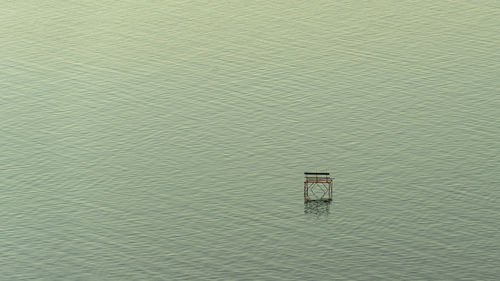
x,y
153,140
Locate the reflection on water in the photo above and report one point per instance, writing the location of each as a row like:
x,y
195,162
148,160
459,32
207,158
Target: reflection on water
x,y
317,208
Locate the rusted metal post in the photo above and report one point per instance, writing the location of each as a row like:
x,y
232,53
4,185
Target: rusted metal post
x,y
305,191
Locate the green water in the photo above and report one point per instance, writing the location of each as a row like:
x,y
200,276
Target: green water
x,y
153,140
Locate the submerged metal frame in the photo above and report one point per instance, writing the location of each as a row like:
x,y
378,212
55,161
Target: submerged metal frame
x,y
323,181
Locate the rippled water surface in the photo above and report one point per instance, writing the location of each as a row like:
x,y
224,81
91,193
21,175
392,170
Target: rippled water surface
x,y
154,140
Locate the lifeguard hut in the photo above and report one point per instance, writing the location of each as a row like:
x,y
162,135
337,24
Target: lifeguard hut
x,y
318,187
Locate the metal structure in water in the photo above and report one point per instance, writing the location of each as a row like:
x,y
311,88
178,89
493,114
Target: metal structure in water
x,y
318,187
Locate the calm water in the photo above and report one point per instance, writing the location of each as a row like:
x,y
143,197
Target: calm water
x,y
146,140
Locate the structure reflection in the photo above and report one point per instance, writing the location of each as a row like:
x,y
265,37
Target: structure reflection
x,y
317,208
